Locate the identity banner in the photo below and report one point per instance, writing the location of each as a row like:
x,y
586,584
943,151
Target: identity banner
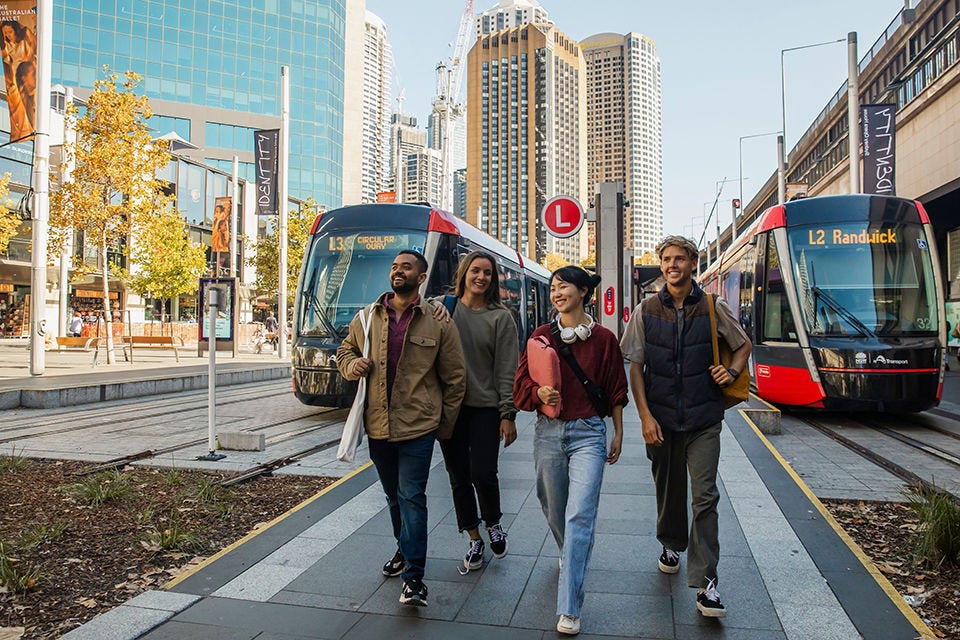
x,y
221,224
878,124
266,152
18,23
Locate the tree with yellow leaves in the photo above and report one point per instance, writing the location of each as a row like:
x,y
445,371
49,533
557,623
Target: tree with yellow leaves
x,y
10,220
590,260
113,187
553,261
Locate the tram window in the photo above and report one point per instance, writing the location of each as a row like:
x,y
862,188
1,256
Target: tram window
x,y
443,269
533,308
778,323
511,290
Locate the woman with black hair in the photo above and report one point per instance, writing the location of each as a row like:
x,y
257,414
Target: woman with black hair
x,y
570,450
488,335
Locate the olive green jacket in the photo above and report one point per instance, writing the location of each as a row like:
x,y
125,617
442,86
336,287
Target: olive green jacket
x,y
431,375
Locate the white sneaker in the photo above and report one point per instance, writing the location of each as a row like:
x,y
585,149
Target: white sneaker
x,y
568,625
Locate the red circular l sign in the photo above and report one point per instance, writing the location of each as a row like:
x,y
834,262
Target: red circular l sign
x,y
562,216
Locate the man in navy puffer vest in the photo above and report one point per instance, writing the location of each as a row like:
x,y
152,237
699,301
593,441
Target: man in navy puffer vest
x,y
677,389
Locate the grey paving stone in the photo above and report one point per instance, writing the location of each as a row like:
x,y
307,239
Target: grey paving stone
x,y
643,583
163,600
351,569
318,600
633,526
260,582
538,605
119,624
174,630
497,591
829,624
414,628
718,630
445,600
619,552
627,615
271,617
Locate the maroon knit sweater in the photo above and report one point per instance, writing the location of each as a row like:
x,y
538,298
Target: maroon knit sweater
x,y
599,357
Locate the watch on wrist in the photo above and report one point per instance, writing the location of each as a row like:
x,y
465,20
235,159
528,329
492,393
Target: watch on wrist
x,y
510,415
733,373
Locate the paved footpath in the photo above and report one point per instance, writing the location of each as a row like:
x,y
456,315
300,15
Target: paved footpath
x,y
315,573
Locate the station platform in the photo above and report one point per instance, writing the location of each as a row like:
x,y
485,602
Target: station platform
x,y
79,377
787,570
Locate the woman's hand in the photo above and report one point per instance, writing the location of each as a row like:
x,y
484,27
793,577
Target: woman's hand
x,y
440,311
615,445
508,432
548,396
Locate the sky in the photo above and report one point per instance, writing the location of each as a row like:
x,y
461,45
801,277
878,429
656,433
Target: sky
x,y
720,77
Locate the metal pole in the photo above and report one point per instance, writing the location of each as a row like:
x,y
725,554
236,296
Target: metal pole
x,y
853,112
284,163
69,138
41,187
214,303
233,218
781,172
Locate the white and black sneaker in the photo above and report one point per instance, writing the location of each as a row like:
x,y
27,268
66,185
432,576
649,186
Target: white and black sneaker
x,y
394,566
498,540
669,561
414,593
474,558
708,602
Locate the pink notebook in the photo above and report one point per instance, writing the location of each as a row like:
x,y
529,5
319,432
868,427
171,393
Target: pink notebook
x,y
544,365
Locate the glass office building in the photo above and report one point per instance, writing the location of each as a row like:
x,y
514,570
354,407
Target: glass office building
x,y
212,72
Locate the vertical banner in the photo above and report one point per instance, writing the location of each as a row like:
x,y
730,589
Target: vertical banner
x,y
221,225
266,152
18,24
878,123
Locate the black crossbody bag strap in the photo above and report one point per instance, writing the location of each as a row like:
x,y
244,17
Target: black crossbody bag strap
x,y
593,390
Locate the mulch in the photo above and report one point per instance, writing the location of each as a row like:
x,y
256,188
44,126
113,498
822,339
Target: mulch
x,y
886,533
77,560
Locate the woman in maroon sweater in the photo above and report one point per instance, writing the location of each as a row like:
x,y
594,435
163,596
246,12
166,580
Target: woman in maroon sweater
x,y
570,451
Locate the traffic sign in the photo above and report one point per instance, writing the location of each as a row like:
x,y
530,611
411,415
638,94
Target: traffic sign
x,y
562,216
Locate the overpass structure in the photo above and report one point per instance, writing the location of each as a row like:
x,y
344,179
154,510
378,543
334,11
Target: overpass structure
x,y
915,64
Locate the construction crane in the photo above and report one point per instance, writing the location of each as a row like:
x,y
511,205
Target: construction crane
x,y
447,103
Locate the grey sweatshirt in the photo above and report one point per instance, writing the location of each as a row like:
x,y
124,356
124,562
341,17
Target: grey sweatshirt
x,y
490,349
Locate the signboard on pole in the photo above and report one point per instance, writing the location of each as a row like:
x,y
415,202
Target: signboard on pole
x,y
221,225
878,123
225,322
266,153
20,64
562,216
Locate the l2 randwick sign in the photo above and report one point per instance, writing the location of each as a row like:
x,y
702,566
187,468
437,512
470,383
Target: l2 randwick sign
x,y
266,154
878,123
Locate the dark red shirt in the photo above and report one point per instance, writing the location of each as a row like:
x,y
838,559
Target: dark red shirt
x,y
599,357
396,332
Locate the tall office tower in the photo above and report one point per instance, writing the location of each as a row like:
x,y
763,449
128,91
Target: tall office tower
x,y
526,112
624,130
377,66
423,178
509,13
405,140
460,193
458,138
212,72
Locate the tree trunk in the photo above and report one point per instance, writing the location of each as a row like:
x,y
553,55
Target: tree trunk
x,y
107,313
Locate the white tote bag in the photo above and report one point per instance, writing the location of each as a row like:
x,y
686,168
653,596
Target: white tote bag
x,y
353,427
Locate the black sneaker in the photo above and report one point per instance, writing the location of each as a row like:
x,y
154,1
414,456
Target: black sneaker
x,y
414,593
669,561
498,541
474,558
708,602
394,565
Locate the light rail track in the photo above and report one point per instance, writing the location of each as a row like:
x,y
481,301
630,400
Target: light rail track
x,y
269,467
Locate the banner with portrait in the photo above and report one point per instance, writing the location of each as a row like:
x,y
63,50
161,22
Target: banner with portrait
x,y
879,128
18,23
266,155
221,224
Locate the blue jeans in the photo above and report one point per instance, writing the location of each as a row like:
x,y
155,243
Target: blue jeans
x,y
569,458
404,468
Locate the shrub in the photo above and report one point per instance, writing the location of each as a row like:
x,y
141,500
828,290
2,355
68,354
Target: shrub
x,y
111,486
12,577
938,536
14,462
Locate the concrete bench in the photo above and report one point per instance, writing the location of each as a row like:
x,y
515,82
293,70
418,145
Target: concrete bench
x,y
72,343
129,342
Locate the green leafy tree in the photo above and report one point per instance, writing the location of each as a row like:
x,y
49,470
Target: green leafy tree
x,y
113,188
167,263
10,220
266,260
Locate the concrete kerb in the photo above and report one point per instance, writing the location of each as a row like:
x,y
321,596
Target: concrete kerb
x,y
766,419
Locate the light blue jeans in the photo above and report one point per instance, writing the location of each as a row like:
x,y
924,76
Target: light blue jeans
x,y
569,458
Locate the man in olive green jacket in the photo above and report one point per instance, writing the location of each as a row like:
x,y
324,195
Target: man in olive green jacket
x,y
416,379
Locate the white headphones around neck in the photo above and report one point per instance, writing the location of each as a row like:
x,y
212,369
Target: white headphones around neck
x,y
582,331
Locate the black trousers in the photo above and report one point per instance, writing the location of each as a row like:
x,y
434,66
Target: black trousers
x,y
471,460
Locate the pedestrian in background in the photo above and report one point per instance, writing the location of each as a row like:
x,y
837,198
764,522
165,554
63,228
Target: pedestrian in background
x,y
488,335
76,325
416,381
570,451
677,389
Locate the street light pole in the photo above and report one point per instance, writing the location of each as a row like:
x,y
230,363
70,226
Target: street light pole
x,y
853,109
740,167
782,169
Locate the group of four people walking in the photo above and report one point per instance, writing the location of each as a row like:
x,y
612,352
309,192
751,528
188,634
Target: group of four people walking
x,y
459,380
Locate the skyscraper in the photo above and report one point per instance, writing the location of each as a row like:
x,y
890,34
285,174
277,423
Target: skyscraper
x,y
405,139
526,140
509,13
212,72
377,71
624,129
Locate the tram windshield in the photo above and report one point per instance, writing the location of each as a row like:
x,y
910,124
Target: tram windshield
x,y
864,279
346,271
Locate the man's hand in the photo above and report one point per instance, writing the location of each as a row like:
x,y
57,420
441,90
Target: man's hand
x,y
615,445
721,375
508,432
549,396
362,366
651,431
440,311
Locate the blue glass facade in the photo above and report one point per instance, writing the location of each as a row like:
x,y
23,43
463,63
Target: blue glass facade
x,y
225,55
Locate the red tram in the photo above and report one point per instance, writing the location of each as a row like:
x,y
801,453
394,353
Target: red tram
x,y
843,300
